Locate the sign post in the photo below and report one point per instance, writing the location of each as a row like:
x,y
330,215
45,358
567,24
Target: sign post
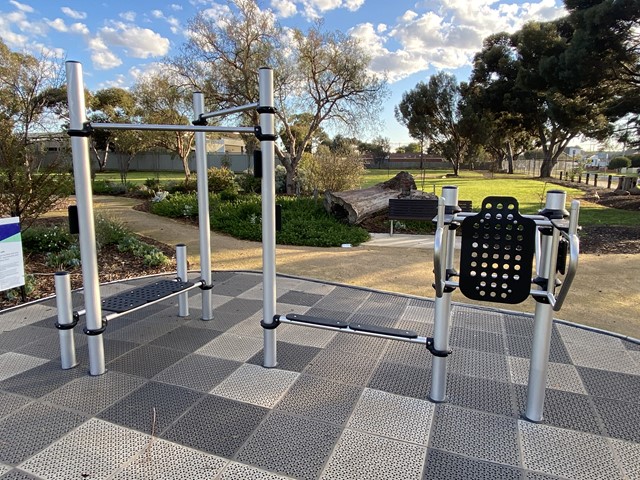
x,y
11,259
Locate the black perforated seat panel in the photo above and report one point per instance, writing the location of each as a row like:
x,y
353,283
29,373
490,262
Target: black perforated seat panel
x,y
139,296
496,258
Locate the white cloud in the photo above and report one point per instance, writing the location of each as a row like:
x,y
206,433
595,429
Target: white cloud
x,y
22,6
136,41
353,5
58,24
128,16
174,23
175,7
284,8
445,34
76,15
101,56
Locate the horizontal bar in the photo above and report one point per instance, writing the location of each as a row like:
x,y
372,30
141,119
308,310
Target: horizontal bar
x,y
541,221
420,340
228,111
114,315
171,128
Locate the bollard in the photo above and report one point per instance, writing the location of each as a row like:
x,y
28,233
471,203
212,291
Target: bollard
x,y
609,179
595,179
586,179
181,263
65,322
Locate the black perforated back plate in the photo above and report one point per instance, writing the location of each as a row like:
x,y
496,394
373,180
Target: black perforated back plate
x,y
498,246
139,296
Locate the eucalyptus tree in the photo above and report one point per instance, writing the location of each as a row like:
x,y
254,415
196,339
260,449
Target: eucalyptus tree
x,y
434,112
322,75
29,98
109,105
162,100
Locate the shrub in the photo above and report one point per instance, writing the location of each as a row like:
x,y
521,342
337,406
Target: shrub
x,y
183,187
152,183
46,239
619,162
248,183
29,287
635,159
109,232
332,171
221,179
281,179
151,256
176,205
68,258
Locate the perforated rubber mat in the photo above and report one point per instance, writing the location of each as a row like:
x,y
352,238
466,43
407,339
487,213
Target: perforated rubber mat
x,y
187,399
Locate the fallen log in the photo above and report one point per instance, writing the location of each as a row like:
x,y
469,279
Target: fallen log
x,y
355,206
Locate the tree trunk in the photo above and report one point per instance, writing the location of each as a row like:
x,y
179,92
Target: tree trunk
x,y
357,205
509,158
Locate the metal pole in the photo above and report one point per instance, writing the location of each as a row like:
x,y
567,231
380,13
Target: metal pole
x,y
65,317
543,318
171,128
442,313
181,263
267,125
203,209
84,200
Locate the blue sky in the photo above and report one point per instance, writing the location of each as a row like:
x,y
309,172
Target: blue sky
x,y
116,41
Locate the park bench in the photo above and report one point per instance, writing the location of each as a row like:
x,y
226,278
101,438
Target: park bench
x,y
422,210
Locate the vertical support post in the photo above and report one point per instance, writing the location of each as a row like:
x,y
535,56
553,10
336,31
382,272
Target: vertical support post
x,y
609,178
203,209
65,317
87,238
181,263
543,318
267,137
442,313
595,179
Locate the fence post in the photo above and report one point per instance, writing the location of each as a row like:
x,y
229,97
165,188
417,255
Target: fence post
x,y
586,179
561,172
595,179
610,177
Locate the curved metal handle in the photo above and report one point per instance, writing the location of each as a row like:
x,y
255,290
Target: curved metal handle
x,y
574,252
438,264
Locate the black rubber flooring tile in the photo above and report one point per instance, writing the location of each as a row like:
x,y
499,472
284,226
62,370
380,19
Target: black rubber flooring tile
x,y
441,465
290,445
621,419
230,314
342,367
10,403
480,394
303,299
477,340
42,379
631,346
31,429
185,339
146,361
320,399
403,380
18,475
565,410
520,346
112,349
151,408
290,356
14,339
216,425
614,385
198,372
236,285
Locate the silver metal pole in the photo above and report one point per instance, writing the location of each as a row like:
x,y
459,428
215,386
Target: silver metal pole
x,y
227,111
543,318
181,263
203,209
171,128
267,125
87,239
442,312
65,317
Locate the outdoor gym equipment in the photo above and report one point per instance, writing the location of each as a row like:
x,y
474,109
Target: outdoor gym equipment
x,y
499,246
80,130
497,258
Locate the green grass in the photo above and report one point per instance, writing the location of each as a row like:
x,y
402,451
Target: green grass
x,y
529,192
138,177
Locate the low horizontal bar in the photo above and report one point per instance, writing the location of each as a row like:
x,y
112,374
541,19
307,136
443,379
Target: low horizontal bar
x,y
534,293
347,329
171,128
228,111
115,315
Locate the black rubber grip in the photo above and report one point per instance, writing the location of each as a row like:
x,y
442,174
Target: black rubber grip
x,y
326,322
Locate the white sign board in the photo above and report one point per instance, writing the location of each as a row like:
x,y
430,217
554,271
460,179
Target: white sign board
x,y
11,260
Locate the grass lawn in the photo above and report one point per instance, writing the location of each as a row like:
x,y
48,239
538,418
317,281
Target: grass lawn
x,y
472,185
529,192
138,178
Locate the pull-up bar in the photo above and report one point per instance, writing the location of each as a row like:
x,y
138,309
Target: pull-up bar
x,y
79,131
